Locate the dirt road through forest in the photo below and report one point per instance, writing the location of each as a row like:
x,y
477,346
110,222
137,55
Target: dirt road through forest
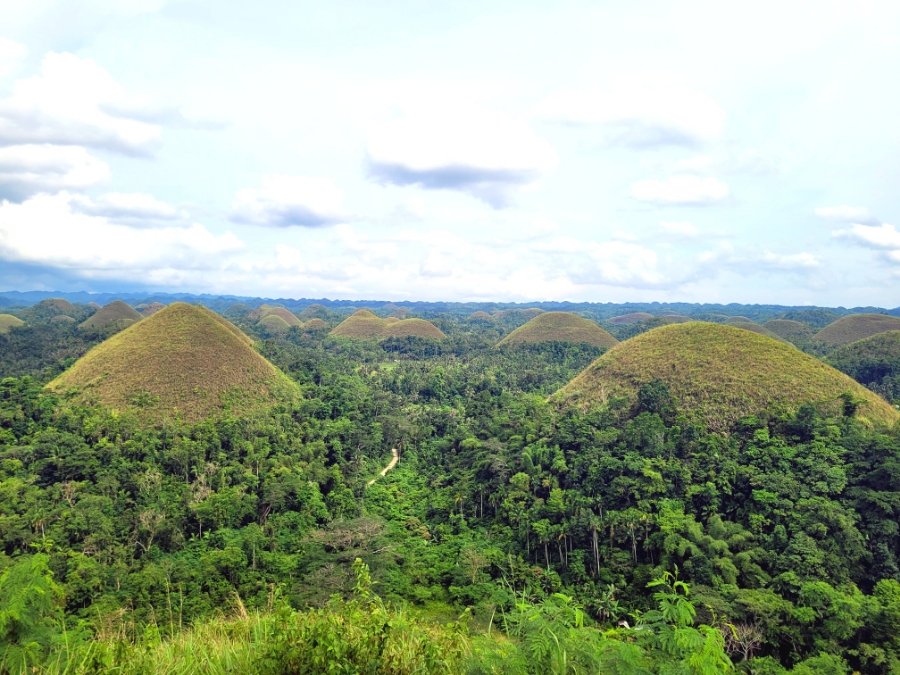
x,y
390,466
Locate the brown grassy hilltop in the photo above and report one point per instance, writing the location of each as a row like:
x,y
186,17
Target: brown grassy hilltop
x,y
788,329
361,325
633,317
57,305
315,311
62,318
666,319
391,319
480,316
414,328
719,374
8,322
364,325
284,314
184,360
150,309
856,327
559,327
115,312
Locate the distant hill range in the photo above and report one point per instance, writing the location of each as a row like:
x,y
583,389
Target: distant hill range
x,y
596,310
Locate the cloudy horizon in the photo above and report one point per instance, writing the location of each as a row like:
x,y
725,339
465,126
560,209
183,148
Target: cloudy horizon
x,y
651,152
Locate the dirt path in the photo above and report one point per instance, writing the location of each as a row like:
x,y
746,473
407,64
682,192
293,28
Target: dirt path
x,y
390,466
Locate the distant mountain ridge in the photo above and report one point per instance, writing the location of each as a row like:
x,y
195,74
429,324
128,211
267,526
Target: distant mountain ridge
x,y
599,310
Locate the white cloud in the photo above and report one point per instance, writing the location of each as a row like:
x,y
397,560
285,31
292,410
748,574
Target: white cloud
x,y
612,263
69,103
11,56
26,170
882,236
286,201
789,261
685,190
134,209
457,147
640,114
46,231
846,214
680,229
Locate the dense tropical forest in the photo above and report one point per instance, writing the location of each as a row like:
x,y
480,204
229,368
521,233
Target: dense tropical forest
x,y
518,533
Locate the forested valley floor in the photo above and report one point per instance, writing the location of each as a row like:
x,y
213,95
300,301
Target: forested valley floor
x,y
513,535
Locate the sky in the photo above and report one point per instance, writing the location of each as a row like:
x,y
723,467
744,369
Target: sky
x,y
465,151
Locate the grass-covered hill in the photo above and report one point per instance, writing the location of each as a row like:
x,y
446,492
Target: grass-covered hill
x,y
8,322
413,328
116,312
856,327
282,313
874,362
315,324
632,317
789,329
480,316
559,327
150,309
755,328
719,374
363,324
184,360
274,324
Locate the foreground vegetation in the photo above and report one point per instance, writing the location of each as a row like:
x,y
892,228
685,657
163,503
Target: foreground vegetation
x,y
622,536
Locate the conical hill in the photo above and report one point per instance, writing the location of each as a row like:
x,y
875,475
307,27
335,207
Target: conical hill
x,y
361,325
855,327
184,360
414,328
8,322
790,330
719,374
116,312
756,328
559,327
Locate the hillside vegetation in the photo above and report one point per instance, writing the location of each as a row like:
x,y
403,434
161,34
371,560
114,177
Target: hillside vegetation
x,y
8,322
856,327
116,312
559,327
413,328
719,374
150,309
875,362
183,361
755,328
789,329
274,324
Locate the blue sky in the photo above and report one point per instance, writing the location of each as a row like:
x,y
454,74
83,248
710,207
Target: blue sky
x,y
599,151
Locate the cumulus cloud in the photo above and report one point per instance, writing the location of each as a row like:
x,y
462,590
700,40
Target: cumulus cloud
x,y
882,236
285,201
11,56
789,261
639,114
26,170
69,103
685,190
846,214
45,230
485,154
682,229
612,263
134,209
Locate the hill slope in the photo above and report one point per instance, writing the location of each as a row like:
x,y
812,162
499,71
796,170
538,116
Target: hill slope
x,y
559,327
718,374
184,358
414,328
633,317
361,325
789,329
874,362
755,328
856,327
116,311
8,322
